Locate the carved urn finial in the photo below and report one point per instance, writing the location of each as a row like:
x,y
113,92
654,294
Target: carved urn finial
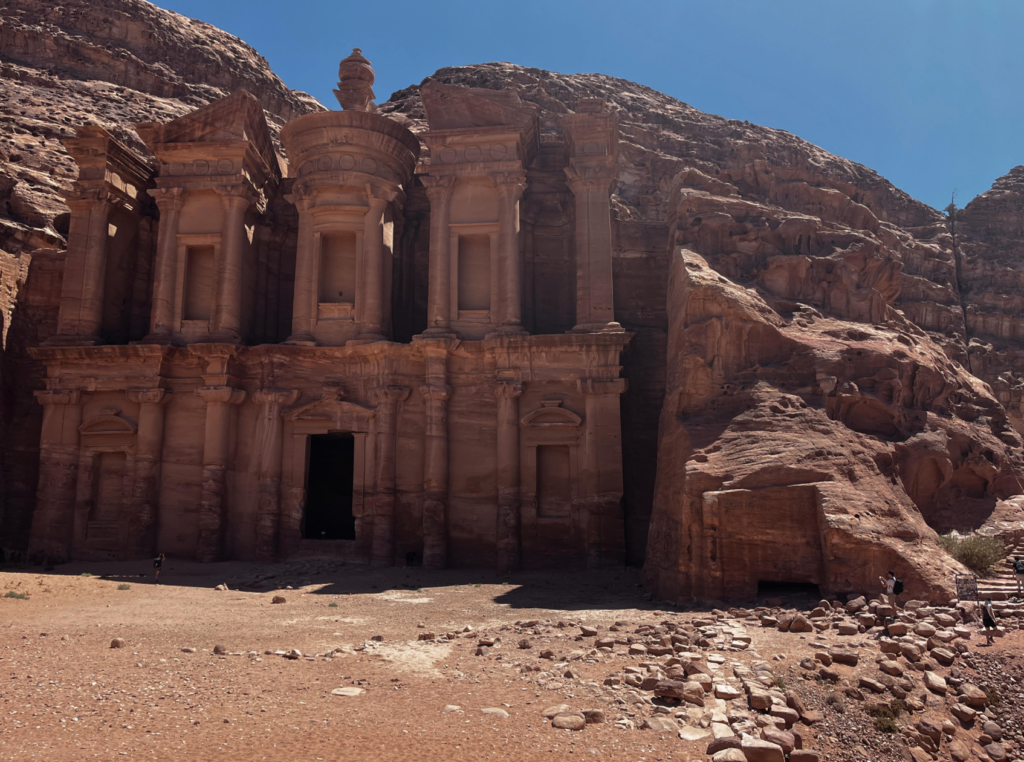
x,y
355,83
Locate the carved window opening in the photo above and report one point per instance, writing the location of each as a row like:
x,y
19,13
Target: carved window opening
x,y
200,281
338,252
554,481
474,276
328,513
108,486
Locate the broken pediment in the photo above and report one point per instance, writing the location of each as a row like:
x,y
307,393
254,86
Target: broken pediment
x,y
238,117
333,413
454,108
551,415
108,423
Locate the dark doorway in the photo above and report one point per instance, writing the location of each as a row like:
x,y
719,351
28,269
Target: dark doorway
x,y
773,589
328,514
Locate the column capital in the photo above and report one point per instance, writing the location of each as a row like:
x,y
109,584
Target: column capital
x,y
507,389
281,397
510,183
222,394
237,196
602,385
144,396
169,199
581,179
84,199
391,395
379,198
438,187
436,392
58,396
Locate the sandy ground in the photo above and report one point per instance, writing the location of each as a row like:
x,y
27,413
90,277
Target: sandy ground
x,y
67,695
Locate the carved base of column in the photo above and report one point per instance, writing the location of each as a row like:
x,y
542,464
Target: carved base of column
x,y
211,514
509,556
301,340
370,337
438,332
146,496
612,327
73,340
509,329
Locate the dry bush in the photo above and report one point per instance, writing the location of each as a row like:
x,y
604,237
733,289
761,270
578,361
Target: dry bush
x,y
977,552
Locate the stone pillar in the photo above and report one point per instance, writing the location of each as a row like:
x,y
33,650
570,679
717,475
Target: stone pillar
x,y
595,309
213,501
439,306
304,303
161,322
85,266
269,443
149,441
436,393
227,313
603,527
53,521
510,294
508,531
383,548
372,292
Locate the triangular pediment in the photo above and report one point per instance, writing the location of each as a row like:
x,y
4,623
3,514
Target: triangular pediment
x,y
238,117
336,414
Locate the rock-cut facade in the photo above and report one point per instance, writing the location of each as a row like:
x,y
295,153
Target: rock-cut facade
x,y
284,398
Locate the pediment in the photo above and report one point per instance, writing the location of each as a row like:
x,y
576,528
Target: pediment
x,y
551,416
107,424
334,413
238,117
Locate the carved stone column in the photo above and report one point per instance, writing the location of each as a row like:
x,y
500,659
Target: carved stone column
x,y
227,315
213,501
604,530
161,322
439,306
510,293
435,475
595,310
149,441
372,294
305,300
80,317
53,520
269,432
508,530
383,548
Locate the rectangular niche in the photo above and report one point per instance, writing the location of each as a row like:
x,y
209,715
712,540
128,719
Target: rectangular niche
x,y
554,481
474,272
337,268
108,487
200,281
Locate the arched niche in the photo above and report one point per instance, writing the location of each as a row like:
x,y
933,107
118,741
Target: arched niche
x,y
106,472
549,441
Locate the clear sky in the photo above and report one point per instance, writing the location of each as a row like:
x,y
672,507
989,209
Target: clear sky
x,y
927,92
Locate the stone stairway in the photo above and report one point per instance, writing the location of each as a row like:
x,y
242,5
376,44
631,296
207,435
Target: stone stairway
x,y
1002,585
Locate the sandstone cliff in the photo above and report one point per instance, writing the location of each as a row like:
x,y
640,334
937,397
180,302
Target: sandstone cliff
x,y
107,62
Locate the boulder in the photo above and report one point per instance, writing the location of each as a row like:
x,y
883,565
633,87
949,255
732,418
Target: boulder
x,y
758,750
934,682
569,721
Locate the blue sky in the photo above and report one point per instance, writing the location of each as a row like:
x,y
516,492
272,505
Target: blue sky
x,y
926,92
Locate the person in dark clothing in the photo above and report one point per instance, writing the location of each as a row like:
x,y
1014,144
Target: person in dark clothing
x,y
157,564
988,620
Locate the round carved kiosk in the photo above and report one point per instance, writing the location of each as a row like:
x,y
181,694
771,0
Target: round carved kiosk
x,y
350,168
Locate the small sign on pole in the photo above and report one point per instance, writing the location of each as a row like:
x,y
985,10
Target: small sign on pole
x,y
966,587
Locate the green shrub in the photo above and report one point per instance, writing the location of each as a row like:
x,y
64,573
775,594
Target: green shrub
x,y
977,552
86,574
835,700
898,707
19,596
124,586
994,699
332,605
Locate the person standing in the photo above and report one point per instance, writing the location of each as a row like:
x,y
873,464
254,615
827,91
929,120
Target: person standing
x,y
1018,572
889,585
988,621
157,564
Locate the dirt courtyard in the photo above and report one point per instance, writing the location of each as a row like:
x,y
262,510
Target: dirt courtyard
x,y
68,695
438,666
